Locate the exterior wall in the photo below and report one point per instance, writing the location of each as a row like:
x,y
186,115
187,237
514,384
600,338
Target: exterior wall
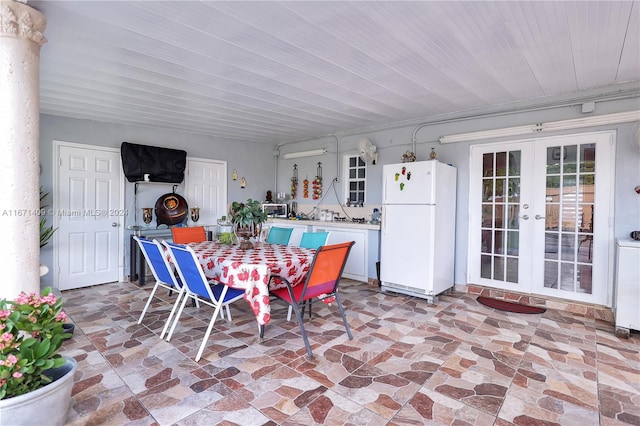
x,y
254,162
393,142
259,169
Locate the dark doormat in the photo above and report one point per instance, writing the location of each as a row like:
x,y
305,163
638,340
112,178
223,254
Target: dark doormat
x,y
510,306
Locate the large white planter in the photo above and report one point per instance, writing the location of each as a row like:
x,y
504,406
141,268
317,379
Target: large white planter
x,y
47,405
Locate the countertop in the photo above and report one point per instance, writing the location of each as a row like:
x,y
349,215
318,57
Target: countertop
x,y
303,222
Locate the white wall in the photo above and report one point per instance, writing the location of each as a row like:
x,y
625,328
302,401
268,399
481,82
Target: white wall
x,y
256,162
393,142
253,161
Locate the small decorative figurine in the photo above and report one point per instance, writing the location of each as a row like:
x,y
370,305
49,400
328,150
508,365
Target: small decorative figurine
x,y
195,214
234,175
147,215
408,157
432,156
243,182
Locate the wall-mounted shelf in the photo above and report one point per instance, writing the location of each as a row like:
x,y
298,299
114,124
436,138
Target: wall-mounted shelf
x,y
144,182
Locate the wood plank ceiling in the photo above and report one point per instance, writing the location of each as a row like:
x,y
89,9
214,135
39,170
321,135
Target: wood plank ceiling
x,y
281,71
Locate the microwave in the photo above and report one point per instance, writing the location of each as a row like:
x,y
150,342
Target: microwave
x,y
275,210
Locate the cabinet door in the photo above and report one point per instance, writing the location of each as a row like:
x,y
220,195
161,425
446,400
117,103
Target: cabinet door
x,y
356,267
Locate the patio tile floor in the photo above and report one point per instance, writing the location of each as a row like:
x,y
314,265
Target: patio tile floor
x,y
410,362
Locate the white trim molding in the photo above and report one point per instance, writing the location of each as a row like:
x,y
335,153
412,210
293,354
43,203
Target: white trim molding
x,y
551,126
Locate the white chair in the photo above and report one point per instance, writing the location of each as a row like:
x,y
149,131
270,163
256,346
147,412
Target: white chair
x,y
162,272
198,287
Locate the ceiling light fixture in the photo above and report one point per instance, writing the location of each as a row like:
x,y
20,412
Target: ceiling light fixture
x,y
310,153
577,123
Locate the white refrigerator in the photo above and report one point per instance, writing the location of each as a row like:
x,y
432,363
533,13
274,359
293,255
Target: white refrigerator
x,y
418,228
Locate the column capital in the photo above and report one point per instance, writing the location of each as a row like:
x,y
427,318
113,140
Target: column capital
x,y
21,21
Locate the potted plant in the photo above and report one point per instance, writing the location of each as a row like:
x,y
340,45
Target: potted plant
x,y
46,232
33,376
225,231
247,219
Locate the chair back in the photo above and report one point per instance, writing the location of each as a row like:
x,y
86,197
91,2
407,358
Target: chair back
x,y
279,235
326,270
313,240
157,261
191,234
189,269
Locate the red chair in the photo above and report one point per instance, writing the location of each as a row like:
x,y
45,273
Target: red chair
x,y
192,234
322,282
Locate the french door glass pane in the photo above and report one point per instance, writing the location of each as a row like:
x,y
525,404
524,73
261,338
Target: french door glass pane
x,y
570,176
500,216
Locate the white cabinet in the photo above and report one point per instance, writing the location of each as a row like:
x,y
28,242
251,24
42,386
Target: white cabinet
x,y
627,287
357,264
361,265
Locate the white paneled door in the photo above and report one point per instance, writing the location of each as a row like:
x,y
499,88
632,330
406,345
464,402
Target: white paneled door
x,y
206,188
89,215
540,216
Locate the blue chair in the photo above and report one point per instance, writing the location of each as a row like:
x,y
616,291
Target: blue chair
x,y
162,272
311,240
198,287
279,235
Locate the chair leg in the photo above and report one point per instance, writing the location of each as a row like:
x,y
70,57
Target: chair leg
x,y
146,306
175,321
173,311
216,312
344,317
302,330
289,313
228,313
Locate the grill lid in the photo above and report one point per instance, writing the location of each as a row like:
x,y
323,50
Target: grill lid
x,y
171,209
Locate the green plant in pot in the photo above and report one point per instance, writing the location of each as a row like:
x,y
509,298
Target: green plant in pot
x,y
46,232
31,369
225,231
247,219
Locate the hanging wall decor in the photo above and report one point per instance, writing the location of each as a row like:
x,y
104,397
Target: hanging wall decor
x,y
317,183
234,175
305,188
243,182
294,182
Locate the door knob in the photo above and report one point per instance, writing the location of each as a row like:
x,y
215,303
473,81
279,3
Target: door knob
x,y
538,217
525,217
114,224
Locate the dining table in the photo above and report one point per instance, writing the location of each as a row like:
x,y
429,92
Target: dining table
x,y
252,269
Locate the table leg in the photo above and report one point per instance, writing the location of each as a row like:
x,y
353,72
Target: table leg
x,y
133,252
261,328
142,272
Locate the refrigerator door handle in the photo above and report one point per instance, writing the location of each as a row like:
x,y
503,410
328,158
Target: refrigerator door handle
x,y
384,222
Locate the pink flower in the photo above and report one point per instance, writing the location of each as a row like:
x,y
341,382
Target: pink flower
x,y
7,337
12,359
4,314
62,316
17,375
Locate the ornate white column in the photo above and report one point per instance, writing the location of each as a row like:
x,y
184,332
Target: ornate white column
x,y
21,36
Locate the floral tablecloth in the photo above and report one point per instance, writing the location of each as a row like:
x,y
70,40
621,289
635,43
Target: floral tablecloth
x,y
250,269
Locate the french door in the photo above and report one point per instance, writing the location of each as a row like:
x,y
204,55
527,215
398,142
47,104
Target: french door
x,y
540,216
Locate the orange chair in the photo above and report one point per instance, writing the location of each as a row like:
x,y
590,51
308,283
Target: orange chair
x,y
192,234
322,281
